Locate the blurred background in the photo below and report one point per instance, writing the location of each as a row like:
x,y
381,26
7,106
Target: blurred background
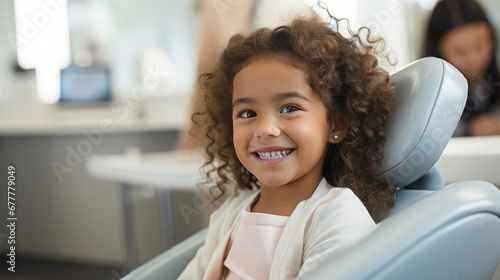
x,y
87,78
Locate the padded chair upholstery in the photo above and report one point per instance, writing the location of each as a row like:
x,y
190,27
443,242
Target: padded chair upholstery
x,y
433,232
431,98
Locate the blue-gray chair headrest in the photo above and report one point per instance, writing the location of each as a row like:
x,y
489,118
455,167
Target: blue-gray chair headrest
x,y
431,98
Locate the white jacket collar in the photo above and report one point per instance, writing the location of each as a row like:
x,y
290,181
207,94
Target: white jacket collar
x,y
322,188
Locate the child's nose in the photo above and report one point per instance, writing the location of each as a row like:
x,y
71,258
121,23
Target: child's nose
x,y
267,128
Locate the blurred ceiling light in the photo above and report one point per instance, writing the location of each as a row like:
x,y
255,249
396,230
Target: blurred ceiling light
x,y
83,59
42,40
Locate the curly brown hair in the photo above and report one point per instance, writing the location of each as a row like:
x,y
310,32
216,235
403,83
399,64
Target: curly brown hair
x,y
344,72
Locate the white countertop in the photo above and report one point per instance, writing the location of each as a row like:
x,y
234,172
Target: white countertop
x,y
163,170
153,114
472,158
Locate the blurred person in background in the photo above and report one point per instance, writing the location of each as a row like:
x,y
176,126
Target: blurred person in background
x,y
459,32
219,21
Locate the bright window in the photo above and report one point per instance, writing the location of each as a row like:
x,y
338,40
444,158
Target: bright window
x,y
42,38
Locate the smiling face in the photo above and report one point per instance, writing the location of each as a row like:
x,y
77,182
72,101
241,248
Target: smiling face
x,y
280,127
469,48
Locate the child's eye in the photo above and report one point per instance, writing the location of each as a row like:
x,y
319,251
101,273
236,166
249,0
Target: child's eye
x,y
246,114
289,109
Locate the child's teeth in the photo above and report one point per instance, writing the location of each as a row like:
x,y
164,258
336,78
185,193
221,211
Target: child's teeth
x,y
274,154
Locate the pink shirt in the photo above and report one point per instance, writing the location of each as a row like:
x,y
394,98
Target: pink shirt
x,y
250,250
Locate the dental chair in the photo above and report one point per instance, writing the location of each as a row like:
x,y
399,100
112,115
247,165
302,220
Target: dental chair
x,y
434,231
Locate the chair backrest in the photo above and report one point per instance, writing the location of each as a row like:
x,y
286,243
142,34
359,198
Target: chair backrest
x,y
431,98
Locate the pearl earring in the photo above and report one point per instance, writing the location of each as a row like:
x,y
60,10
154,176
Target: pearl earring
x,y
336,137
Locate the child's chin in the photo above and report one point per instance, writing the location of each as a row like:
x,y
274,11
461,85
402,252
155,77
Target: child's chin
x,y
273,182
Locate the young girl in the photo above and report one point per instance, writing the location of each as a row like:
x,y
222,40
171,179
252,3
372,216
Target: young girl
x,y
295,121
460,33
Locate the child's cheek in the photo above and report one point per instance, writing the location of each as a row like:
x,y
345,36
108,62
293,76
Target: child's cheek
x,y
309,134
240,141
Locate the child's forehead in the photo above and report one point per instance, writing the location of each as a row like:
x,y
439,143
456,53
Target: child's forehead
x,y
267,77
290,59
281,57
265,72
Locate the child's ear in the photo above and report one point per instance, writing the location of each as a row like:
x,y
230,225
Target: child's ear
x,y
338,129
336,136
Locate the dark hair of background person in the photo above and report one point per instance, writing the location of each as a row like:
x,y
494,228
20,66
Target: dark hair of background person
x,y
450,14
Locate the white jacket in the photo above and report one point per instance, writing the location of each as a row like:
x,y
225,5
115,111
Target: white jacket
x,y
330,219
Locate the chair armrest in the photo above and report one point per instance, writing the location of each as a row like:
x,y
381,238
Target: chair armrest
x,y
170,264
